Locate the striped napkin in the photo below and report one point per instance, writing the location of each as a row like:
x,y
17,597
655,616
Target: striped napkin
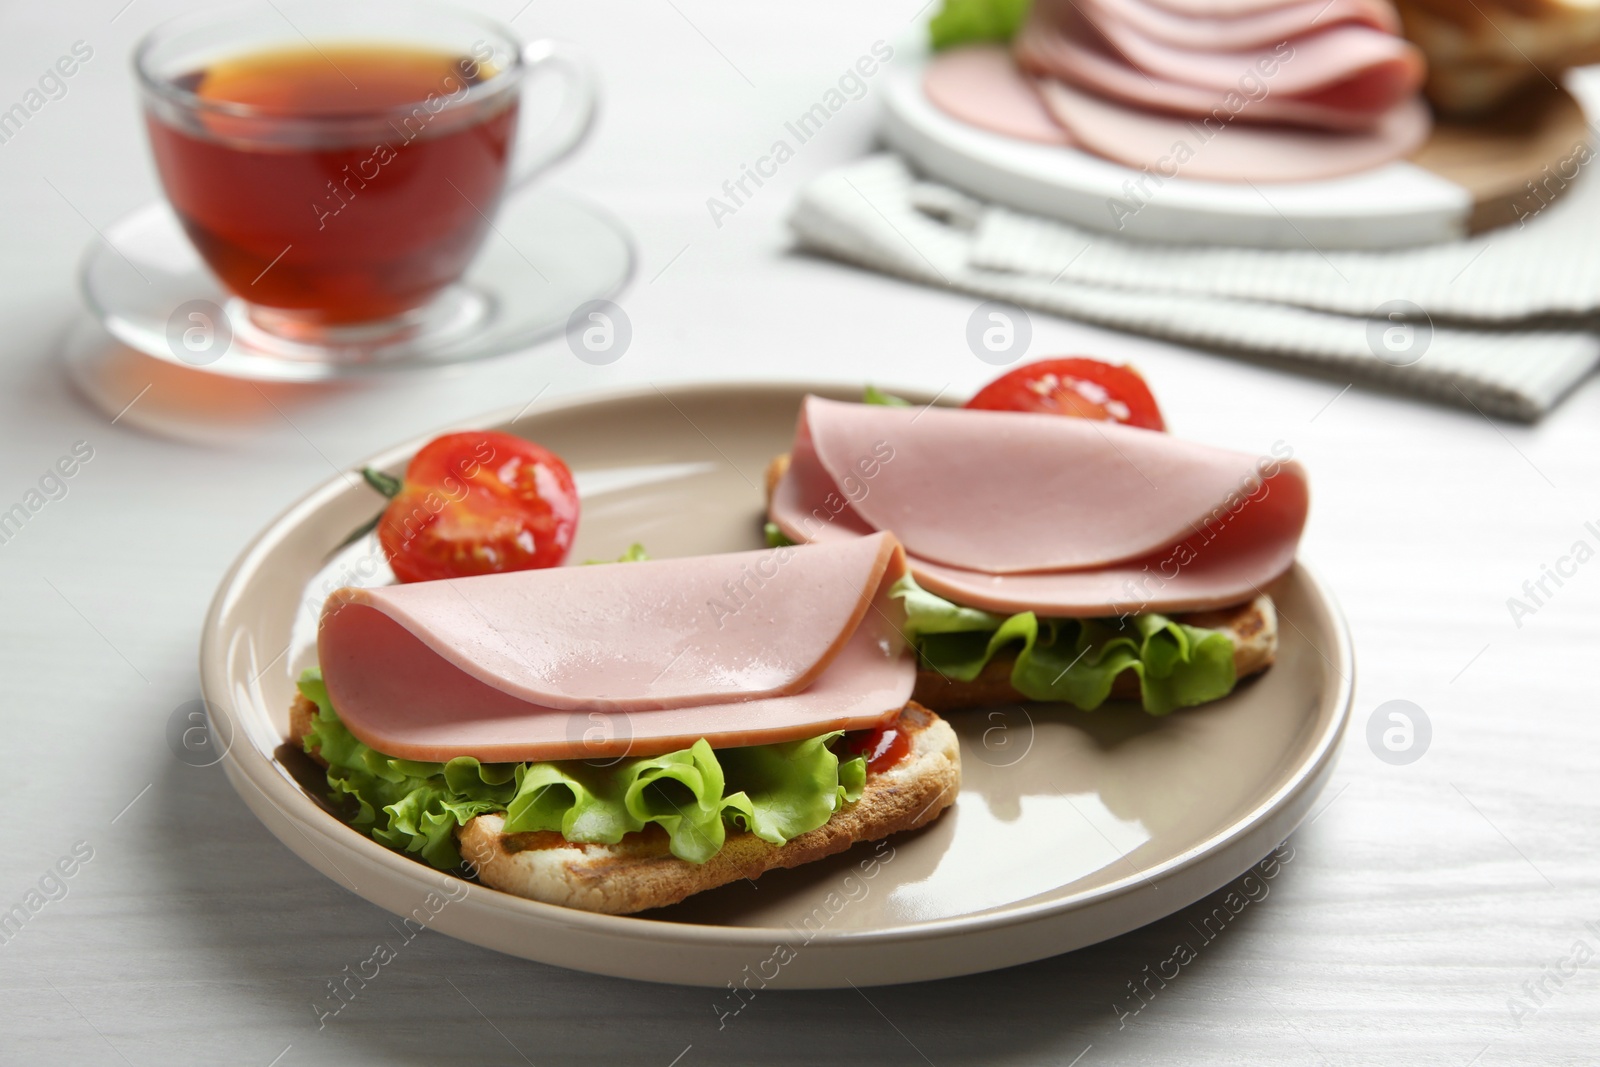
x,y
1504,322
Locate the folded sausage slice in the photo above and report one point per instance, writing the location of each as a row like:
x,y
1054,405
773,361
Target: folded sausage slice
x,y
627,658
1012,511
1204,149
1192,26
1221,9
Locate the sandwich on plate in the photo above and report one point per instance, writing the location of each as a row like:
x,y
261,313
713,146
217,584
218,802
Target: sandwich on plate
x,y
1060,559
620,736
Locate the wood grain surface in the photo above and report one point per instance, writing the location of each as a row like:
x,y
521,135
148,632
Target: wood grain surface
x,y
1431,914
1516,161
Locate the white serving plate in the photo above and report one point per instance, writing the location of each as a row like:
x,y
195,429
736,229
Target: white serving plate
x,y
1394,206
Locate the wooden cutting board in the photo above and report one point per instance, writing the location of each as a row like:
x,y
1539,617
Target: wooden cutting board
x,y
1516,162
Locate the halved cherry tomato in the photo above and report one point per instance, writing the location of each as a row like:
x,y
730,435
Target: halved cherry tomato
x,y
478,503
1078,386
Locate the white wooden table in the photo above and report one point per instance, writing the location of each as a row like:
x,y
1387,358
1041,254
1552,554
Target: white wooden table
x,y
1428,914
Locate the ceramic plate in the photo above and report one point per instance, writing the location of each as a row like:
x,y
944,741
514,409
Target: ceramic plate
x,y
1070,827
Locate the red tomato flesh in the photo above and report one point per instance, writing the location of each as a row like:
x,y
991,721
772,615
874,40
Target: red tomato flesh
x,y
1077,386
479,503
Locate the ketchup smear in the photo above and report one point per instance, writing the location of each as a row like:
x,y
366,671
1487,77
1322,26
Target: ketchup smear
x,y
883,747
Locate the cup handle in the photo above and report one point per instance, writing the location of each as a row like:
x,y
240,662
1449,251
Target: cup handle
x,y
572,125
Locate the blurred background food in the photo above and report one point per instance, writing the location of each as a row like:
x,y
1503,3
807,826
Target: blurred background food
x,y
1484,53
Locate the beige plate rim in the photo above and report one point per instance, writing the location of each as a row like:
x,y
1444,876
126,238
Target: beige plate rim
x,y
268,780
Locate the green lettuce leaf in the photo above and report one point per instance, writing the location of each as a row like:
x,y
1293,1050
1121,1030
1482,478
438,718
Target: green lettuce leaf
x,y
776,792
408,805
971,21
873,395
791,788
635,554
1073,661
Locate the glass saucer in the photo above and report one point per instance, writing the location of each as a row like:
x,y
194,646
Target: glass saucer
x,y
546,255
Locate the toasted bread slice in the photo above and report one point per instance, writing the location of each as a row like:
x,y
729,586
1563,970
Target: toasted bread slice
x,y
775,472
301,712
1482,55
1251,626
639,872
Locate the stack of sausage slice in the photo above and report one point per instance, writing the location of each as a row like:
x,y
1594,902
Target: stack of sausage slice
x,y
1224,90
